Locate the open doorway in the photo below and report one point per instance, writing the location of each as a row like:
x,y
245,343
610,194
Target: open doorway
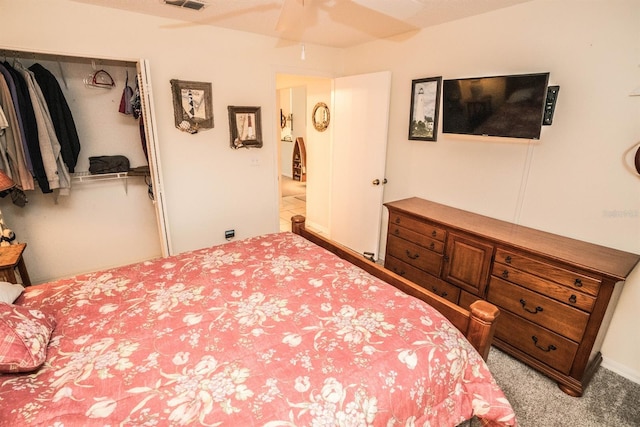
x,y
296,96
292,104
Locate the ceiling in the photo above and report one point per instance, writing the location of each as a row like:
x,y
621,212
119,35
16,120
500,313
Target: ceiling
x,y
336,23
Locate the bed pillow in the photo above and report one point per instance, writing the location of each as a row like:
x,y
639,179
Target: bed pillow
x,y
9,292
24,337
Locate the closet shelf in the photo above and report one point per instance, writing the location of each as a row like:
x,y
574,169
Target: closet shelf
x,y
87,177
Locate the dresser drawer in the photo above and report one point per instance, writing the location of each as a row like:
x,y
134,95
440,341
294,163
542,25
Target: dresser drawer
x,y
418,238
551,289
419,277
559,275
414,255
540,343
421,227
567,321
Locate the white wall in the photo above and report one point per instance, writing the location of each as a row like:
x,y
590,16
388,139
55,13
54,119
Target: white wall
x,y
577,184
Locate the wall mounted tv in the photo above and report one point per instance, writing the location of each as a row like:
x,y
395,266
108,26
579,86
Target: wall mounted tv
x,y
506,106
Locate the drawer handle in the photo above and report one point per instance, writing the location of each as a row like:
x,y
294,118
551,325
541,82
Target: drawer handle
x,y
397,232
508,259
505,274
432,246
578,283
524,303
551,347
435,291
433,233
397,220
412,256
573,299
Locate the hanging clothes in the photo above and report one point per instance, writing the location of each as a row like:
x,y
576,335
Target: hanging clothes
x,y
26,114
125,101
60,113
29,129
56,170
4,125
15,165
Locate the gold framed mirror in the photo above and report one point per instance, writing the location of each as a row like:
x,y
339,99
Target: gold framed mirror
x,y
321,117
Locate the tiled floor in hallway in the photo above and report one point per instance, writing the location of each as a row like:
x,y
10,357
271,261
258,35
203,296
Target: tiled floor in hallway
x,y
290,206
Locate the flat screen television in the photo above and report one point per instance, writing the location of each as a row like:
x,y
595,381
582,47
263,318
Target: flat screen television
x,y
505,106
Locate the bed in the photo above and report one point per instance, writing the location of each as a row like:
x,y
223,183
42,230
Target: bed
x,y
285,329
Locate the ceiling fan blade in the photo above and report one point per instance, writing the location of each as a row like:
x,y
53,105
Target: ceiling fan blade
x,y
290,13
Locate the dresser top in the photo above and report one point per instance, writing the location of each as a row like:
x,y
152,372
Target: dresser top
x,y
592,257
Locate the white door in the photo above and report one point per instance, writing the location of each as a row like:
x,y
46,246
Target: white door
x,y
149,119
360,120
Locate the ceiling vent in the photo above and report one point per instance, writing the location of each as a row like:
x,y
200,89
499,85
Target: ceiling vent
x,y
187,4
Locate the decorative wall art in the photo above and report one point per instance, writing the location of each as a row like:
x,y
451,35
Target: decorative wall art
x,y
425,106
321,116
245,127
192,106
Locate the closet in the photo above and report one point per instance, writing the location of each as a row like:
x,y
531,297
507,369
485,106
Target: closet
x,y
106,220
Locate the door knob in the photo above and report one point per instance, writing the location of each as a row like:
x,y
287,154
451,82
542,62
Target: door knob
x,y
377,181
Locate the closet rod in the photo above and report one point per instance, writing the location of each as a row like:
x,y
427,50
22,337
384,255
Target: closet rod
x,y
9,52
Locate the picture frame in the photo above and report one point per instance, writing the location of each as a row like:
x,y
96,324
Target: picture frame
x,y
425,109
192,105
245,127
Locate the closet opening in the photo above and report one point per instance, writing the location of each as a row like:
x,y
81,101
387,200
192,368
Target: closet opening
x,y
104,217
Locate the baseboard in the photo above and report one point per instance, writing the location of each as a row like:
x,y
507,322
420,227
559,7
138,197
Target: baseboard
x,y
315,227
621,370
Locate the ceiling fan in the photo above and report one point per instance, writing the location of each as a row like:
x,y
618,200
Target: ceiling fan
x,y
309,20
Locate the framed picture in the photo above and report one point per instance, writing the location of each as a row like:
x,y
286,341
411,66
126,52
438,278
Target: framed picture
x,y
425,107
245,127
192,108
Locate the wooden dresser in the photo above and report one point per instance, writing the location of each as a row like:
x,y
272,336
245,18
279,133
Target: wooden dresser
x,y
556,295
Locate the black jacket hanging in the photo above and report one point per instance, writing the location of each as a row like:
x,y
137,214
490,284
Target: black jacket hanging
x,y
61,115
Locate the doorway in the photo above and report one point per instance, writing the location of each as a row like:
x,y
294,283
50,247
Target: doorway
x,y
292,106
293,200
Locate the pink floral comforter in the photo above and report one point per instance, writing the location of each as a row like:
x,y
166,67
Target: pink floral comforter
x,y
270,331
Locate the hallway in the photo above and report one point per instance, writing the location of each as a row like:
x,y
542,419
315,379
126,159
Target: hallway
x,y
293,201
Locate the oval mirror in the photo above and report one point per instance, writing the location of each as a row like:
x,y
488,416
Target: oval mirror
x,y
320,116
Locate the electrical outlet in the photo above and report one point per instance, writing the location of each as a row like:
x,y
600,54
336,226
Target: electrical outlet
x,y
229,234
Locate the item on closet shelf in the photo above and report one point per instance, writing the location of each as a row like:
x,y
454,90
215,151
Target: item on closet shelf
x,y
100,78
108,164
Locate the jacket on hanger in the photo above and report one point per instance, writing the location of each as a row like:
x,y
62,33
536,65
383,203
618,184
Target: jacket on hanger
x,y
60,115
56,170
15,157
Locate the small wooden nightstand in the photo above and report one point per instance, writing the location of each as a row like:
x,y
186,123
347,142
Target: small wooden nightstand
x,y
10,259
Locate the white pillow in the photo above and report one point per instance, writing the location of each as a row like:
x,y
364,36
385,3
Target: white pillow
x,y
9,292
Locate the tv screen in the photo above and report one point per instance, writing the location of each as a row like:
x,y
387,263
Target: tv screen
x,y
505,106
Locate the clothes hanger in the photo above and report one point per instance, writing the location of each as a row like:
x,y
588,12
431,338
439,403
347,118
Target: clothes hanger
x,y
100,78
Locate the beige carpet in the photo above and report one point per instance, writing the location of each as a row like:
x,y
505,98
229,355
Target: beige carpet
x,y
609,400
291,187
